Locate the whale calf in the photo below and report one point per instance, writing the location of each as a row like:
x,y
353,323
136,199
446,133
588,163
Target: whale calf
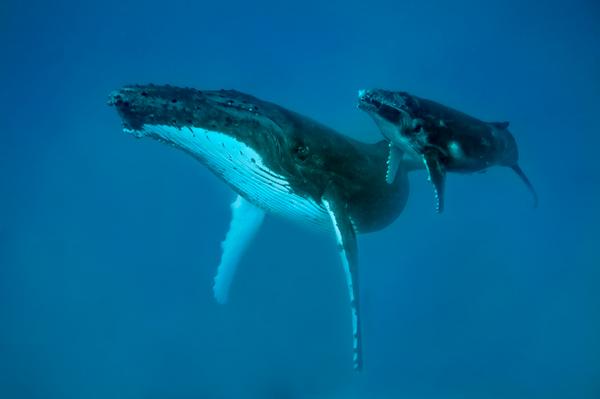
x,y
278,162
442,138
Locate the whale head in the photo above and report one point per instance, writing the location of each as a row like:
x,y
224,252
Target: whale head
x,y
142,107
224,129
397,114
235,135
250,144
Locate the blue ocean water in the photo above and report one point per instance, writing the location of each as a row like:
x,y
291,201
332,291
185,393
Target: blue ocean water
x,y
108,245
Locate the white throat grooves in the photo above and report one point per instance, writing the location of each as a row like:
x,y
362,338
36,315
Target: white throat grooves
x,y
243,168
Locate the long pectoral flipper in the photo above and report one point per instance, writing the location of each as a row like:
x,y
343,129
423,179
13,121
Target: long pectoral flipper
x,y
346,239
393,163
437,176
245,222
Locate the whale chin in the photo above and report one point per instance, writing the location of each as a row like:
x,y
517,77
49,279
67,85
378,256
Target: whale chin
x,y
137,133
243,168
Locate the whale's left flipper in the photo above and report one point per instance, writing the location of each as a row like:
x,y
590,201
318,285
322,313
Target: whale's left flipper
x,y
245,222
523,177
345,235
393,163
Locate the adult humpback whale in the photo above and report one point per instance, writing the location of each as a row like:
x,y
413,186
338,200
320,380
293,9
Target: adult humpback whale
x,y
278,162
442,138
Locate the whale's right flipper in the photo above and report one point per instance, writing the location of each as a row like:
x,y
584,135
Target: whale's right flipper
x,y
345,235
245,222
523,177
437,177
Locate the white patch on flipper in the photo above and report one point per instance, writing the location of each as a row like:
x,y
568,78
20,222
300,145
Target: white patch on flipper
x,y
245,222
349,280
242,168
340,242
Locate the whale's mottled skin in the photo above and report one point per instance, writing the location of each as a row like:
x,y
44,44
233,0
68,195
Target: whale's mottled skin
x,y
278,162
443,138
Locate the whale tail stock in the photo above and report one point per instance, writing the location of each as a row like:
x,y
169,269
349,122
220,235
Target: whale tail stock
x,y
525,180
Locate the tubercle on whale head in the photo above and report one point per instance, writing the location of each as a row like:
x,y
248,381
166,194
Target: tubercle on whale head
x,y
222,110
394,112
375,99
139,105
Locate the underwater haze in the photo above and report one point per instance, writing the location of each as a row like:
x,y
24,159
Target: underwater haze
x,y
109,244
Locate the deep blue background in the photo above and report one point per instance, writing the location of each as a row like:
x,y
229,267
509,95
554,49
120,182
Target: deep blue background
x,y
108,245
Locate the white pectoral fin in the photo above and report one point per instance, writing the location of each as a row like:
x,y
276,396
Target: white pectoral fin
x,y
393,163
346,239
245,222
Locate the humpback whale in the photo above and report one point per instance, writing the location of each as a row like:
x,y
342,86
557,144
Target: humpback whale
x,y
442,138
278,162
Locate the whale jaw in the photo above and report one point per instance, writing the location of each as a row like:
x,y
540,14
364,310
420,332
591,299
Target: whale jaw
x,y
243,169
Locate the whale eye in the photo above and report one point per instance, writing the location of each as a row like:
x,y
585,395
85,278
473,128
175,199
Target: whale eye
x,y
301,152
417,125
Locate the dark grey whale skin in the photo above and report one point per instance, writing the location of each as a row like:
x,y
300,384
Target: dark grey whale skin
x,y
343,176
431,128
314,158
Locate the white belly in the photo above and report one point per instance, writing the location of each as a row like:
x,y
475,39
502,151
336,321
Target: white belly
x,y
243,168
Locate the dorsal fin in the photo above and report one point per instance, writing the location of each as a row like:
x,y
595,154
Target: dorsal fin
x,y
500,125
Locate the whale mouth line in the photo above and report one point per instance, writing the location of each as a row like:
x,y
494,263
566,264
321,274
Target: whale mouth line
x,y
367,100
137,133
372,102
